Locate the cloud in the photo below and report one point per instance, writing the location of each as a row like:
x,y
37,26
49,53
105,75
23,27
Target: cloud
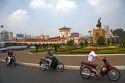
x,y
105,6
16,21
37,4
18,16
65,6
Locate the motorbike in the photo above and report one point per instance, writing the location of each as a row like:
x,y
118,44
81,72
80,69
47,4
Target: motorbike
x,y
87,70
12,61
55,65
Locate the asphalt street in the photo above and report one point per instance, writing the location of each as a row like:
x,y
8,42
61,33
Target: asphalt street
x,y
22,74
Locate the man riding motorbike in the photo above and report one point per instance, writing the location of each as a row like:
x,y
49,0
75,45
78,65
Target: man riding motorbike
x,y
92,57
48,56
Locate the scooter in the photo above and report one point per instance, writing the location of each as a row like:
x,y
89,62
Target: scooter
x,y
87,70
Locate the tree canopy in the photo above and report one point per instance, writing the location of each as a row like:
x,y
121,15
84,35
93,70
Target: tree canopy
x,y
119,32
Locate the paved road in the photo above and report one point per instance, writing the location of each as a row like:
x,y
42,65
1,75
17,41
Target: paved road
x,y
21,74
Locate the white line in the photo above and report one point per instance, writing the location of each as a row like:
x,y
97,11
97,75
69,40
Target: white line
x,y
78,67
87,55
66,66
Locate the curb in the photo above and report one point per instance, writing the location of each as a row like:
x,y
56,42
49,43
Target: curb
x,y
68,67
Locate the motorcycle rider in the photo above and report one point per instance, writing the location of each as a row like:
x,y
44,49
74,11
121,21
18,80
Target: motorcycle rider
x,y
48,56
10,54
92,57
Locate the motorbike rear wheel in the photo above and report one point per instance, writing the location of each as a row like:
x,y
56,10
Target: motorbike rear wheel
x,y
113,74
60,67
85,72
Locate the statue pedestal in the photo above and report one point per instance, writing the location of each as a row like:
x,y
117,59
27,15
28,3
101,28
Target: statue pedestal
x,y
96,33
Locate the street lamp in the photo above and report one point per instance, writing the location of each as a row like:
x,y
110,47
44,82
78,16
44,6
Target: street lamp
x,y
1,26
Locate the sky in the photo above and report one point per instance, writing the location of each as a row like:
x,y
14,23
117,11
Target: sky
x,y
45,17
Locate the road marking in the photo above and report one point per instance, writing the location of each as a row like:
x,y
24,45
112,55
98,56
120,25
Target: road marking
x,y
97,54
69,67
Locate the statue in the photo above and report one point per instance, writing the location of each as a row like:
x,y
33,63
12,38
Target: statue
x,y
98,25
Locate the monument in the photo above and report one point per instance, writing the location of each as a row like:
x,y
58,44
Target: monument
x,y
98,31
99,24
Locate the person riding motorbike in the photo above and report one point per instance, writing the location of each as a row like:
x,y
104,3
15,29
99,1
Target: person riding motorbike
x,y
48,56
10,54
92,57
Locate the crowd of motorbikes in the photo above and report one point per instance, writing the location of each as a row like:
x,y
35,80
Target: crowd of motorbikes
x,y
86,68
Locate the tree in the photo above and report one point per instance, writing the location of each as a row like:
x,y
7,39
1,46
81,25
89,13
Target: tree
x,y
113,41
108,42
86,43
81,44
37,47
100,40
122,42
119,32
70,43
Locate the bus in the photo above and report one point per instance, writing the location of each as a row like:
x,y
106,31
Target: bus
x,y
4,46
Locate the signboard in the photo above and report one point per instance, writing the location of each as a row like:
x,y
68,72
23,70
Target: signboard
x,y
20,36
74,34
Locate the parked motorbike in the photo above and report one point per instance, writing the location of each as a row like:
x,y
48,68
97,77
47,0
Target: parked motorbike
x,y
55,65
87,70
12,61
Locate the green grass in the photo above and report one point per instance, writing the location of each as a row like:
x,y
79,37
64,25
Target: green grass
x,y
112,51
39,50
85,50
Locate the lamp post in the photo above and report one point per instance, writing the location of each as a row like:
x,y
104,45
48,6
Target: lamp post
x,y
1,34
